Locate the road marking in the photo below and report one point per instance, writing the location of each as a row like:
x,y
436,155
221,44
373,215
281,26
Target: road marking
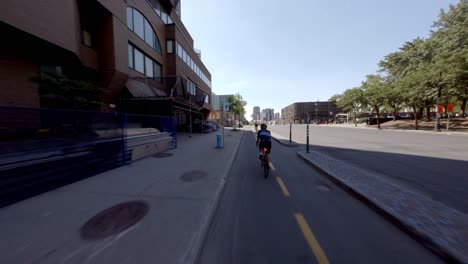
x,y
311,240
282,186
272,167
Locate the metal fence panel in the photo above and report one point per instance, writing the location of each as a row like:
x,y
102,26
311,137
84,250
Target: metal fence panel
x,y
42,149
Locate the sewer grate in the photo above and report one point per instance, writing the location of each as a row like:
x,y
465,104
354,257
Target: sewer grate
x,y
114,220
192,176
162,155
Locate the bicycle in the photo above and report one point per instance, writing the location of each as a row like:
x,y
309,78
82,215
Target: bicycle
x,y
265,162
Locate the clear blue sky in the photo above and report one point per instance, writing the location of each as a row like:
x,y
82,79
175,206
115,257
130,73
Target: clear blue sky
x,y
275,53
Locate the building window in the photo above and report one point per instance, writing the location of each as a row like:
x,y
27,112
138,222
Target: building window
x,y
47,68
130,56
139,61
143,63
191,88
149,70
184,56
137,23
149,34
160,11
157,70
179,50
207,99
170,46
191,64
87,39
130,18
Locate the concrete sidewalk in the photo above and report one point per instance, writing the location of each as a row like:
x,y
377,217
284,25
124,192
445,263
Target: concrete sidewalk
x,y
181,190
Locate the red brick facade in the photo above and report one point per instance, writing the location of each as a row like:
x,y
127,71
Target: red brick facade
x,y
58,26
15,87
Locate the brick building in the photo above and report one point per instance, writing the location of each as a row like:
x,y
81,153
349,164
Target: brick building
x,y
138,51
305,112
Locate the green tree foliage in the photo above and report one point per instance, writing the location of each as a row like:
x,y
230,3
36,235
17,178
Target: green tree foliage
x,y
451,41
352,100
393,94
237,106
411,77
57,91
335,98
374,90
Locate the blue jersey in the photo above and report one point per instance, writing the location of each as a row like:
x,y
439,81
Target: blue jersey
x,y
264,135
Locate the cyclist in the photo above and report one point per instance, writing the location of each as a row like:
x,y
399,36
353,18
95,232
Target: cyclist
x,y
264,139
256,126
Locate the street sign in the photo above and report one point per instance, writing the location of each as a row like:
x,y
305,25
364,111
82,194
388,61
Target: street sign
x,y
450,108
226,107
440,108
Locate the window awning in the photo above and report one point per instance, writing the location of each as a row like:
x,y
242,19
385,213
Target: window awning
x,y
140,89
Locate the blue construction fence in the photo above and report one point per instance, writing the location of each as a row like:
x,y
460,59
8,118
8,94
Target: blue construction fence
x,y
42,149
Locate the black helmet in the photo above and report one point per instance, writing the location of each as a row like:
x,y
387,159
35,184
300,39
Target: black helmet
x,y
263,126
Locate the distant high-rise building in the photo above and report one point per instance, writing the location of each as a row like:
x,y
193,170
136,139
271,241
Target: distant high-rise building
x,y
267,115
277,116
256,113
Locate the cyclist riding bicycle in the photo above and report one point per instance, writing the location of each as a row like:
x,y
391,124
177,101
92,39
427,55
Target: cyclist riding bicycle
x,y
264,139
256,126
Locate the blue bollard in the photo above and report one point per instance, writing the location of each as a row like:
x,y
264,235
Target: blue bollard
x,y
219,141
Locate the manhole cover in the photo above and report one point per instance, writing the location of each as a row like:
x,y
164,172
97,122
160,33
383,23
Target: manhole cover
x,y
114,220
324,188
192,176
162,155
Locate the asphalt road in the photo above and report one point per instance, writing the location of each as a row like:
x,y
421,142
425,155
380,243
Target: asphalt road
x,y
435,165
305,219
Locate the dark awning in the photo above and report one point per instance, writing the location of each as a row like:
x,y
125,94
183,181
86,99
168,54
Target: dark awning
x,y
140,89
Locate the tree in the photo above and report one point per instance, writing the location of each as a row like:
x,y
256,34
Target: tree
x,y
393,94
451,41
374,89
415,58
57,91
335,98
236,106
351,101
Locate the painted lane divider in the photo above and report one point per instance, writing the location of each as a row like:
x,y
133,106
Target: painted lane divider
x,y
282,187
311,240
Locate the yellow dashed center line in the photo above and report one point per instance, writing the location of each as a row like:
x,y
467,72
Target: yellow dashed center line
x,y
272,167
282,186
311,240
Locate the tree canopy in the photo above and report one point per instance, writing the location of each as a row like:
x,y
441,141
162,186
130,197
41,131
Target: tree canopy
x,y
411,76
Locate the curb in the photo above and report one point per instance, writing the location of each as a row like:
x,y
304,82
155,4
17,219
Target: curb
x,y
420,237
195,252
286,144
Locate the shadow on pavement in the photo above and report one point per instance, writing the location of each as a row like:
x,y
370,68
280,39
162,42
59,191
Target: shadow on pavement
x,y
443,180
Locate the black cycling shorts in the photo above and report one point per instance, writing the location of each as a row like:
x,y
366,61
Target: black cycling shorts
x,y
265,144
